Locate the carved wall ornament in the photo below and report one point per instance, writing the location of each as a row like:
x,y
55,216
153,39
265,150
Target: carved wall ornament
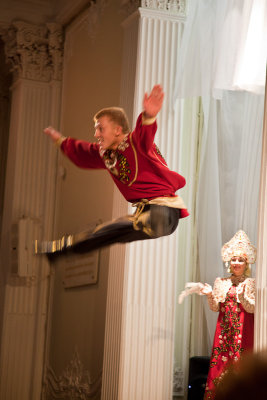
x,y
93,16
88,22
33,51
55,49
178,382
172,6
128,7
177,7
74,383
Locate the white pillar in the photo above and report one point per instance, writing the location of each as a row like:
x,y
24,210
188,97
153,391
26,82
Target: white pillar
x,y
142,293
150,285
35,54
260,337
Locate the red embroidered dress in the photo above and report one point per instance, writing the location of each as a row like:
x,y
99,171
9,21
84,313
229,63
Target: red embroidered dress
x,y
235,325
138,170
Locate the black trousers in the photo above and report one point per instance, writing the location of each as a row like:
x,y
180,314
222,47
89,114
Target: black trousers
x,y
154,221
149,221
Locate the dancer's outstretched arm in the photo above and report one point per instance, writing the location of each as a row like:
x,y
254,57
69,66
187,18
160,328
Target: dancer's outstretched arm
x,y
152,103
54,135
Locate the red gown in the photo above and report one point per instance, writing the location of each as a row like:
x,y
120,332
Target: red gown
x,y
234,329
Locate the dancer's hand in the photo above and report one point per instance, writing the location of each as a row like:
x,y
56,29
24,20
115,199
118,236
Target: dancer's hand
x,y
152,103
241,288
207,289
52,133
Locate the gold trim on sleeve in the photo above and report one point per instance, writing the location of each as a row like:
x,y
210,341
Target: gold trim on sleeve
x,y
59,141
148,121
136,161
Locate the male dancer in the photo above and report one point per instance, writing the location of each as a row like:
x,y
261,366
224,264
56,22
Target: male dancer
x,y
137,168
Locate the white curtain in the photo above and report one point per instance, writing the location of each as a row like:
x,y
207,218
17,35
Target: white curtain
x,y
223,60
223,47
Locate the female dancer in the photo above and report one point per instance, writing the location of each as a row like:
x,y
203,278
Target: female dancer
x,y
234,299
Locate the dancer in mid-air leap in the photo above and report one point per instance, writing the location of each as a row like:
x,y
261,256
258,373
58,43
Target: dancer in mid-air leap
x,y
137,168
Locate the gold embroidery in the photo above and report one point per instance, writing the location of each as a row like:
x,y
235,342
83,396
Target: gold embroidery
x,y
136,162
124,169
221,287
157,152
60,140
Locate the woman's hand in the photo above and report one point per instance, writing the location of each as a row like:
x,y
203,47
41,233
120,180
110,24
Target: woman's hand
x,y
207,289
241,288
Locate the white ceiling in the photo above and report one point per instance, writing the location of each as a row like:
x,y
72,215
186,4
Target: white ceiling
x,y
39,11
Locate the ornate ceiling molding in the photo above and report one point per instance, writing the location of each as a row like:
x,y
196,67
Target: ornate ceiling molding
x,y
177,7
93,16
34,52
88,22
171,6
128,7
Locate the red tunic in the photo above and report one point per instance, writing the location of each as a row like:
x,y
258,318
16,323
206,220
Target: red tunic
x,y
233,335
140,171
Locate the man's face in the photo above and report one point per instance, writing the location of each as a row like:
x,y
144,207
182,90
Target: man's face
x,y
107,133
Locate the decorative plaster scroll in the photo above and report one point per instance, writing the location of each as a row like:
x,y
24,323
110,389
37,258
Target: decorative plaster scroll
x,y
128,7
87,22
178,382
34,52
93,16
172,6
55,49
75,383
177,7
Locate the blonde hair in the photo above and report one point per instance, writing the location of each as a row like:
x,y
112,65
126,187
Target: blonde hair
x,y
115,114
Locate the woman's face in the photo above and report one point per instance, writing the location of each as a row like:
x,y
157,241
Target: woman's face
x,y
238,265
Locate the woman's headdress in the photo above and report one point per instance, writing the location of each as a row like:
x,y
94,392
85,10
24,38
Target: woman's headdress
x,y
239,246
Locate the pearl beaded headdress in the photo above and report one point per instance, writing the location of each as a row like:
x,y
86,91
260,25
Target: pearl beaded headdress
x,y
241,246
